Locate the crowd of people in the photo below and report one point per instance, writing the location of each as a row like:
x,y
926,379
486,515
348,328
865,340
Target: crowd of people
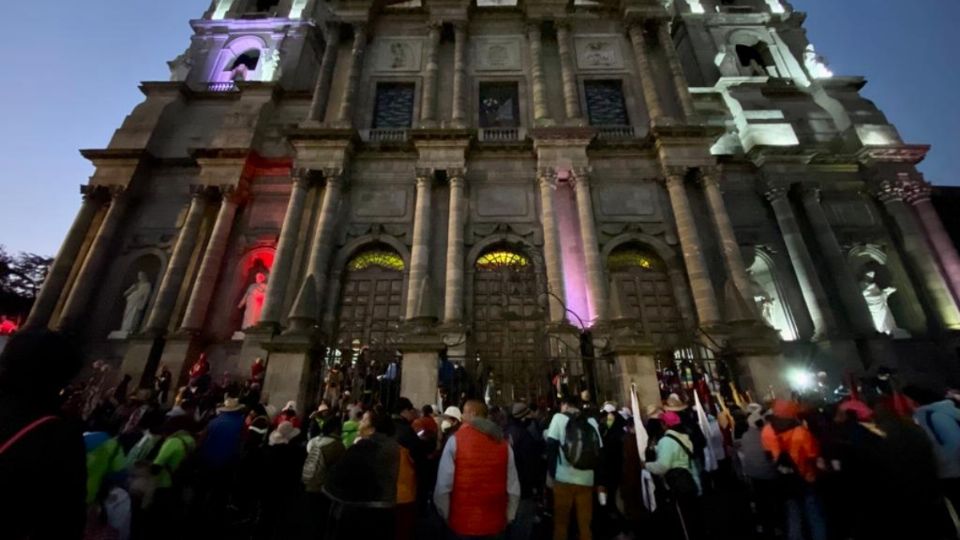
x,y
89,461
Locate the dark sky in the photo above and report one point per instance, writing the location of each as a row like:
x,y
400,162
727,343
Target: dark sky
x,y
71,70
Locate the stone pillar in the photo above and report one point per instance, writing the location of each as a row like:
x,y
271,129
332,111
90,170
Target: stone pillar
x,y
732,257
453,294
207,277
676,70
345,114
917,194
918,253
420,252
286,250
571,98
59,272
320,249
321,92
428,98
596,277
635,364
541,114
810,286
849,290
649,84
704,297
551,246
460,90
172,281
75,308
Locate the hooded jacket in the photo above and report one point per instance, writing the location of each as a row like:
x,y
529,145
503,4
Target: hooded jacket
x,y
478,489
941,421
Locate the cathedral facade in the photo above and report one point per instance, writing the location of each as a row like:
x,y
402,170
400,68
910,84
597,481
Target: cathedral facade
x,y
535,192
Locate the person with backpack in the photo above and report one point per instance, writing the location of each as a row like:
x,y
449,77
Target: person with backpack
x,y
42,457
677,466
323,453
574,448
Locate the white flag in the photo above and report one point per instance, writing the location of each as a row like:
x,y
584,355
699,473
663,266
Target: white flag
x,y
643,438
709,459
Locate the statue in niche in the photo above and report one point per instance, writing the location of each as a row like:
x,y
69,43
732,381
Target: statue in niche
x,y
763,301
252,301
878,301
135,299
271,66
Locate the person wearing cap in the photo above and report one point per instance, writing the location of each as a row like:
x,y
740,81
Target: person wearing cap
x,y
689,423
572,487
283,465
759,470
795,451
527,452
478,489
449,424
674,450
221,440
287,414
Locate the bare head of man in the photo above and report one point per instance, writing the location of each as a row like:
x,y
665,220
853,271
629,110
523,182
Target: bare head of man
x,y
474,409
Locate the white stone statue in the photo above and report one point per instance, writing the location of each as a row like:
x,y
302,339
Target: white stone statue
x,y
815,64
271,66
878,302
135,298
252,302
763,300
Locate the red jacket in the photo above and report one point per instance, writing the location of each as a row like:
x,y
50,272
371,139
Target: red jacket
x,y
478,503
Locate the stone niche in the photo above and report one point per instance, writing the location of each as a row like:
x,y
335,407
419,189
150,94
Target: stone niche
x,y
599,53
497,54
395,55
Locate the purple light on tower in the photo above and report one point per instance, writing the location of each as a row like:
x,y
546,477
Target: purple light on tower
x,y
571,253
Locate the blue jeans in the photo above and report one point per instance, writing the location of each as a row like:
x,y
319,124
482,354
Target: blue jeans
x,y
805,509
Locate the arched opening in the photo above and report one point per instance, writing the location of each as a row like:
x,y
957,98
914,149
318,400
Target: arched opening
x,y
643,294
886,304
509,350
756,60
266,6
248,59
768,296
135,296
253,275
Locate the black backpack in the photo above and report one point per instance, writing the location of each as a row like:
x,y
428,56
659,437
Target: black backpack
x,y
581,443
680,481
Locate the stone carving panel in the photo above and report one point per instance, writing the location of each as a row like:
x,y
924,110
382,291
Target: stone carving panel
x,y
497,54
399,55
599,53
626,200
502,201
377,203
850,213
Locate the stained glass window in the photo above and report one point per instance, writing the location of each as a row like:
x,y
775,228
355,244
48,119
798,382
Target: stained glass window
x,y
631,258
605,104
387,260
394,105
502,259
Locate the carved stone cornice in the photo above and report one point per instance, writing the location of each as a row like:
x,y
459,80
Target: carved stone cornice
x,y
904,153
889,191
916,191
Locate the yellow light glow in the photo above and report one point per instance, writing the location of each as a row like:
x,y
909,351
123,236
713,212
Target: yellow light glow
x,y
387,260
495,260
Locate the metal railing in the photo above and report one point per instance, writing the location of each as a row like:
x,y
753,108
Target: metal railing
x,y
389,135
502,134
607,133
222,86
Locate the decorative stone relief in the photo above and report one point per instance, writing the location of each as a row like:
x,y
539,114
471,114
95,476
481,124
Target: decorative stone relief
x,y
399,55
626,200
369,203
599,52
497,54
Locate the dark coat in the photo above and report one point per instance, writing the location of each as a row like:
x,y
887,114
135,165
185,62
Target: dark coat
x,y
528,456
367,472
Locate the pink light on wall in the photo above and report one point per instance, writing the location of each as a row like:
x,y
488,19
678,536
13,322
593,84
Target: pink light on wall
x,y
571,253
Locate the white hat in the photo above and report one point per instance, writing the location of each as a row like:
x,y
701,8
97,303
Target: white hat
x,y
454,412
609,407
230,404
284,433
626,413
290,406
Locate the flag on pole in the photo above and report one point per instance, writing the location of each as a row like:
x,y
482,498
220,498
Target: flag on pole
x,y
647,486
737,398
709,459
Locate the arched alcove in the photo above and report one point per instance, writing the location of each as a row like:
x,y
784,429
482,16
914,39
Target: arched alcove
x,y
770,298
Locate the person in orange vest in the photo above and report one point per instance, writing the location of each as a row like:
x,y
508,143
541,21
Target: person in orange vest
x,y
478,489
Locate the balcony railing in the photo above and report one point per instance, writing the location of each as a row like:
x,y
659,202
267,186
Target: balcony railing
x,y
613,133
223,86
502,134
385,135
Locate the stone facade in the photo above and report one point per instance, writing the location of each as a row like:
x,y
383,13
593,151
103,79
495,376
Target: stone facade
x,y
483,182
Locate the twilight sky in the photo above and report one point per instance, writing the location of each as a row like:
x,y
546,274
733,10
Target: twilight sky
x,y
73,68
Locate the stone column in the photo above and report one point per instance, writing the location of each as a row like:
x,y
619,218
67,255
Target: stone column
x,y
917,194
75,308
207,277
649,84
159,317
676,70
453,294
571,98
286,249
460,90
551,246
59,272
428,98
732,257
596,277
849,290
704,297
541,114
322,245
918,253
321,92
810,286
345,114
420,252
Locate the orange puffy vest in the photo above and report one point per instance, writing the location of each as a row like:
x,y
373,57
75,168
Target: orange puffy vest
x,y
478,504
